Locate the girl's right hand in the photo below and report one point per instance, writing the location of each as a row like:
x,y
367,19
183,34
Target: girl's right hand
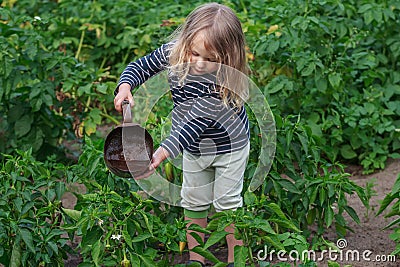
x,y
124,92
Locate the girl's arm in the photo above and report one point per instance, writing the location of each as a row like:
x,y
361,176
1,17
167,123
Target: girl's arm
x,y
139,71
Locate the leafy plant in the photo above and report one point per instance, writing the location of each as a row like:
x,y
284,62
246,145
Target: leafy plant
x,y
45,94
333,64
258,225
394,210
31,213
117,223
329,71
308,188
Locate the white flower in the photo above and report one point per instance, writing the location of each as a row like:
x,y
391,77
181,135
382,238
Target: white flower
x,y
116,237
37,18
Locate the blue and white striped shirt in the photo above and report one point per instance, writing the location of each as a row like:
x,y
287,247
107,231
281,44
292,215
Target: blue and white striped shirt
x,y
201,123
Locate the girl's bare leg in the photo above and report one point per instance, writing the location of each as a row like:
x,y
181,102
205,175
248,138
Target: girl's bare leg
x,y
232,242
193,242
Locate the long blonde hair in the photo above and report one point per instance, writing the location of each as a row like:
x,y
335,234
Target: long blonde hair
x,y
224,36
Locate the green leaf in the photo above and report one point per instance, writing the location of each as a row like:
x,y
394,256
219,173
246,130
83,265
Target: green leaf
x,y
92,236
249,198
94,165
141,237
369,107
263,225
311,215
368,17
214,238
27,237
334,79
347,152
396,186
96,252
27,207
74,214
102,88
352,213
135,261
54,233
23,125
197,237
47,99
60,189
34,92
285,224
205,253
321,84
127,238
273,46
395,222
53,247
274,242
313,195
95,114
240,255
322,195
16,256
146,220
146,260
51,63
289,186
328,216
385,202
275,88
333,264
364,8
198,228
84,89
277,210
308,70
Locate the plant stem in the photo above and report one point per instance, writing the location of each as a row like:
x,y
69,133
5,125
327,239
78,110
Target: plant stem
x,y
103,62
110,118
80,44
244,7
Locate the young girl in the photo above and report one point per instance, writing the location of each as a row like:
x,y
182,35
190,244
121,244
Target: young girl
x,y
209,121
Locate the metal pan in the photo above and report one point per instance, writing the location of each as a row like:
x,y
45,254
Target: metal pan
x,y
128,149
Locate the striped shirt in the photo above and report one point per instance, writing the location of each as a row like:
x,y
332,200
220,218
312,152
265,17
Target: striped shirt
x,y
201,123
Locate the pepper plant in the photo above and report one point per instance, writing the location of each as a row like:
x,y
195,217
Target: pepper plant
x,y
31,213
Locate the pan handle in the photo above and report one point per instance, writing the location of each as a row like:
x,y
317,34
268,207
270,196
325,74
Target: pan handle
x,y
126,112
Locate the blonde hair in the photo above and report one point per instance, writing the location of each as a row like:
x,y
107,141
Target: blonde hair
x,y
223,35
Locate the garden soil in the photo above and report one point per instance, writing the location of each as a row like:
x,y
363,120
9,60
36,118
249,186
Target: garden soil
x,y
367,238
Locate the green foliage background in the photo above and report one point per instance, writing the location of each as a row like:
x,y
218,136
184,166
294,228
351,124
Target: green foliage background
x,y
329,70
333,63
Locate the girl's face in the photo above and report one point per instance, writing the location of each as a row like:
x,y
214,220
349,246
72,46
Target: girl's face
x,y
202,60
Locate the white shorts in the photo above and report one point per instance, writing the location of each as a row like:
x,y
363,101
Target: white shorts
x,y
216,179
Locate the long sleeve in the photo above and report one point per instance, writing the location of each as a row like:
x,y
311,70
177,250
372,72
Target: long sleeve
x,y
194,125
201,122
189,121
139,71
